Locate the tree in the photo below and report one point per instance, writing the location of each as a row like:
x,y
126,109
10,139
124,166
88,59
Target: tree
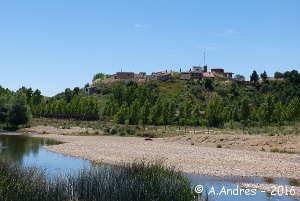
x,y
76,91
264,76
187,114
101,76
144,113
155,113
196,116
293,110
110,109
293,76
266,109
164,113
270,107
5,101
239,77
37,97
60,108
208,84
171,112
278,75
254,77
245,111
68,94
262,113
133,113
121,115
19,112
42,109
98,76
119,94
278,113
214,114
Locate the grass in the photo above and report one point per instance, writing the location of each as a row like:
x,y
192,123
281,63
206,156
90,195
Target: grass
x,y
137,181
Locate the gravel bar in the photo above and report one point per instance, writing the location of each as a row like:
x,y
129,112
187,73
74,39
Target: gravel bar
x,y
191,159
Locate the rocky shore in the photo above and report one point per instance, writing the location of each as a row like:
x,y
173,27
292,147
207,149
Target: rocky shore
x,y
187,158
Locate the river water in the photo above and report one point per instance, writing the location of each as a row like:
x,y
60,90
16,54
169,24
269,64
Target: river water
x,y
28,150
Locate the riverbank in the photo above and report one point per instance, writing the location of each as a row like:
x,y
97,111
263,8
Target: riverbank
x,y
185,157
240,155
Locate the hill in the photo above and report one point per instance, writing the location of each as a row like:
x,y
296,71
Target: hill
x,y
213,103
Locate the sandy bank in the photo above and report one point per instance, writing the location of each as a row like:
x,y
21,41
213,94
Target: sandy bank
x,y
184,157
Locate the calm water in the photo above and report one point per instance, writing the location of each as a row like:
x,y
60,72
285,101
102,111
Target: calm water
x,y
29,151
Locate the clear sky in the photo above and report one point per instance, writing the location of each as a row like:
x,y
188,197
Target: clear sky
x,y
58,44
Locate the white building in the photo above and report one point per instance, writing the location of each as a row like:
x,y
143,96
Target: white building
x,y
197,68
89,90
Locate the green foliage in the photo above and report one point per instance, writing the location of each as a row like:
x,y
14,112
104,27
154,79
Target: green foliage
x,y
196,116
208,83
101,76
264,76
245,110
293,110
267,109
239,77
5,101
19,111
254,77
171,102
278,75
215,114
278,113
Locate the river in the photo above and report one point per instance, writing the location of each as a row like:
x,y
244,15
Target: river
x,y
28,150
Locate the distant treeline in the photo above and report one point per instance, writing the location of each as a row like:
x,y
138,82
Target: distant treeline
x,y
173,102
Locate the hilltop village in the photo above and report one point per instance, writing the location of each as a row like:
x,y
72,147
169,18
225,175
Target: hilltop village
x,y
194,73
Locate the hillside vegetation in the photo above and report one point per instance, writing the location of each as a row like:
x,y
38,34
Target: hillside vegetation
x,y
172,102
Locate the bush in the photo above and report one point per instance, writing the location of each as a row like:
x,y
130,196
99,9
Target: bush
x,y
148,135
113,131
129,130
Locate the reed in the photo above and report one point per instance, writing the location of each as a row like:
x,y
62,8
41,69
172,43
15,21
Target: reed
x,y
137,181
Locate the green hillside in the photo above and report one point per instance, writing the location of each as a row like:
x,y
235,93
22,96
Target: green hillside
x,y
172,102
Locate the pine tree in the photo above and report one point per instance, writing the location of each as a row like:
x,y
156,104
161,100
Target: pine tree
x,y
254,77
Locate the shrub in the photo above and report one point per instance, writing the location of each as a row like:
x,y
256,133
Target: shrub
x,y
274,150
148,135
113,131
129,130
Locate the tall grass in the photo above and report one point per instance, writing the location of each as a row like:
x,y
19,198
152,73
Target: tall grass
x,y
138,181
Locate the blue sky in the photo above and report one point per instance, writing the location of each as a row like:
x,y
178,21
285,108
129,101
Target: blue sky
x,y
58,44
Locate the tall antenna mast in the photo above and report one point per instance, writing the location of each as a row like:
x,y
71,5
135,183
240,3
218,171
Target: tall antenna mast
x,y
204,59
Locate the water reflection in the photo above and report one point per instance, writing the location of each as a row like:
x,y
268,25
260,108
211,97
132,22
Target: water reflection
x,y
16,147
269,180
294,182
28,150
